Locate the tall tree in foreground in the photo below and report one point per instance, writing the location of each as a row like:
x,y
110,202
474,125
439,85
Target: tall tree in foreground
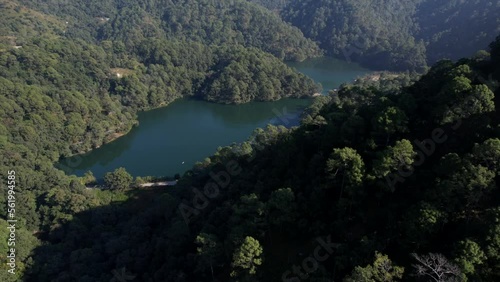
x,y
247,258
348,166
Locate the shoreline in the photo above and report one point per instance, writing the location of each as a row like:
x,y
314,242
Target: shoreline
x,y
69,161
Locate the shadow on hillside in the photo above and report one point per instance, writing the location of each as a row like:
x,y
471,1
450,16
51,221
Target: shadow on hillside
x,y
146,238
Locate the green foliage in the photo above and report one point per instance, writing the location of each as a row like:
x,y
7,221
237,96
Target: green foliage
x,y
455,29
88,178
495,54
208,250
119,179
24,244
334,167
86,68
247,217
382,270
346,164
243,75
210,22
282,208
396,34
376,33
469,255
493,240
76,81
19,22
401,156
437,268
390,121
247,257
467,100
423,221
274,5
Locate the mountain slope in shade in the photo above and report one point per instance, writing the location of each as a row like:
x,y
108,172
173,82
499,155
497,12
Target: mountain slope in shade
x,y
397,35
210,22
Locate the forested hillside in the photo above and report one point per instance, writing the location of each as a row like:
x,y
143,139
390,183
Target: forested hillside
x,y
87,92
377,33
273,5
397,35
206,21
353,179
454,29
377,184
72,79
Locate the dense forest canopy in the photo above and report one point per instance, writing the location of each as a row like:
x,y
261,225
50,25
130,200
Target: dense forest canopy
x,y
382,182
454,29
385,180
70,84
397,35
210,22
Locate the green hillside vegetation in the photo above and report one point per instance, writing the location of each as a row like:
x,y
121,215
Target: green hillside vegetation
x,y
387,183
377,33
18,23
262,76
61,96
206,21
66,91
397,35
74,75
454,29
273,5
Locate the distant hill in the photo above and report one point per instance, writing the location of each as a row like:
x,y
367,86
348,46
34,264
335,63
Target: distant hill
x,y
397,35
390,181
206,21
457,28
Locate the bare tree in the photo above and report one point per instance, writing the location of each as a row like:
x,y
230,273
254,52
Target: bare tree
x,y
436,267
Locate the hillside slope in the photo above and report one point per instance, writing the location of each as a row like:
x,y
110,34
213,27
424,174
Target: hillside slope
x,y
397,35
67,90
209,22
373,182
454,29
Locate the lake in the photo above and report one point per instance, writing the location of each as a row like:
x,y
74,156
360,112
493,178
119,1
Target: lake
x,y
329,72
172,139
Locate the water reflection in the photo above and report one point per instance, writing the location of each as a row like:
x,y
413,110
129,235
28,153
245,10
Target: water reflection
x,y
170,140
